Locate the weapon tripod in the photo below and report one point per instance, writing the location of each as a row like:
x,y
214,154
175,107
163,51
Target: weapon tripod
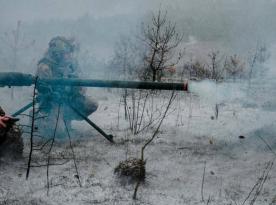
x,y
109,137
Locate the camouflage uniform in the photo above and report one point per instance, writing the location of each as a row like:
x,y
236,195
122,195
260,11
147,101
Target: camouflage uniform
x,y
55,65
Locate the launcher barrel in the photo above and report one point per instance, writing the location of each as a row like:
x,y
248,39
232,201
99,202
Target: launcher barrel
x,y
20,79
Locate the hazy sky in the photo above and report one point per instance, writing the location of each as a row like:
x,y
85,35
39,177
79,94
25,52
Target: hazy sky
x,y
231,19
32,10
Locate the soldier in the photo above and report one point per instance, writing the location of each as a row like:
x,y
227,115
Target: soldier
x,y
59,62
11,143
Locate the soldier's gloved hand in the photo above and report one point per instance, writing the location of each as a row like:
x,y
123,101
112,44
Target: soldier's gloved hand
x,y
3,121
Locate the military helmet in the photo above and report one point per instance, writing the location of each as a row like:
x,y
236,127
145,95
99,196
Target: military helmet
x,y
61,44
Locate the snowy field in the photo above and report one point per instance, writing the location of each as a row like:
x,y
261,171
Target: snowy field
x,y
195,159
215,146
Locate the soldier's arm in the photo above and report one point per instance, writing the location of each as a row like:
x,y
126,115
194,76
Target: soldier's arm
x,y
44,71
77,73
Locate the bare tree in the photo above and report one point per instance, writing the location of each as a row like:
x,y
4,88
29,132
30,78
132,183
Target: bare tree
x,y
234,66
155,133
215,66
161,39
126,64
257,57
127,58
196,70
146,61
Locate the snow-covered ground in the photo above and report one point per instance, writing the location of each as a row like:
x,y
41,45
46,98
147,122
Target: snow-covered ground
x,y
189,142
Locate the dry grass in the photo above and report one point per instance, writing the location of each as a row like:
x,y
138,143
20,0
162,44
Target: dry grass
x,y
133,168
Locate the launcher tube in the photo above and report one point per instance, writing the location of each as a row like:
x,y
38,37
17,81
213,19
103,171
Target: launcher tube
x,y
20,79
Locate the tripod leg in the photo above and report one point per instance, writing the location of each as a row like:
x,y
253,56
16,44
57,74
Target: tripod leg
x,y
108,137
23,109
